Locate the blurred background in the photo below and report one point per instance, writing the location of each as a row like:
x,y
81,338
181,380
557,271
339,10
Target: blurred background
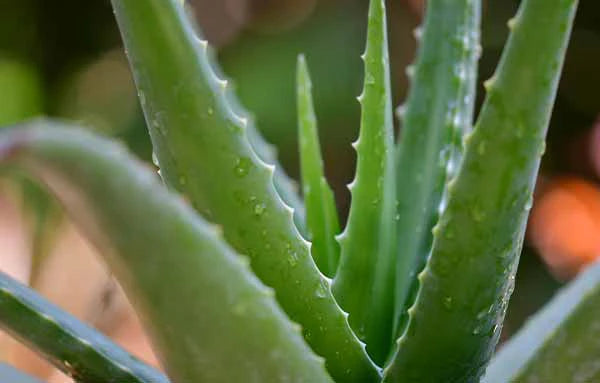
x,y
63,58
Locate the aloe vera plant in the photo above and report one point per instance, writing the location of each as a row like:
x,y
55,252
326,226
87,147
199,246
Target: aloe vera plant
x,y
227,284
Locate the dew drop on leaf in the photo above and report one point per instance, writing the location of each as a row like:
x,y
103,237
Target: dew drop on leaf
x,y
242,166
448,303
321,291
481,148
259,209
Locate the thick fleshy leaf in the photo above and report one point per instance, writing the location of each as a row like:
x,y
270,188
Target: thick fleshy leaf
x,y
456,320
286,187
560,343
203,150
76,349
364,281
209,317
437,113
321,213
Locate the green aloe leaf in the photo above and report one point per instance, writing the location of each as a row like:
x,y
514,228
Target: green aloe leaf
x,y
364,281
560,343
76,349
437,113
209,317
286,187
456,320
321,213
203,150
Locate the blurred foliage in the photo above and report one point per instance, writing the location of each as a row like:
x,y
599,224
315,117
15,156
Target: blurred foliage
x,y
63,58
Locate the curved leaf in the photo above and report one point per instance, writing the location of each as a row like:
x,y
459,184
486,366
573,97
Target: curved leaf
x,y
209,317
76,349
203,150
456,320
558,344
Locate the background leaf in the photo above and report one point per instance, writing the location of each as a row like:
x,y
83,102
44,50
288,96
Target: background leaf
x,y
558,344
164,255
78,350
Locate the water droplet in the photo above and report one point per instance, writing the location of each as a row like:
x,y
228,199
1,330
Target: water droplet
x,y
519,131
461,72
239,308
142,98
444,156
466,40
542,149
259,209
242,166
401,111
418,32
410,71
369,79
155,159
292,255
448,303
361,331
477,214
210,111
321,291
481,314
528,203
234,126
481,148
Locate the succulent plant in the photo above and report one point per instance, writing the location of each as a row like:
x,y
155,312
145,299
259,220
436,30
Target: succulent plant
x,y
218,263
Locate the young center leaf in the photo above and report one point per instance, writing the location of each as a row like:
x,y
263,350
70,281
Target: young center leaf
x,y
364,281
321,213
